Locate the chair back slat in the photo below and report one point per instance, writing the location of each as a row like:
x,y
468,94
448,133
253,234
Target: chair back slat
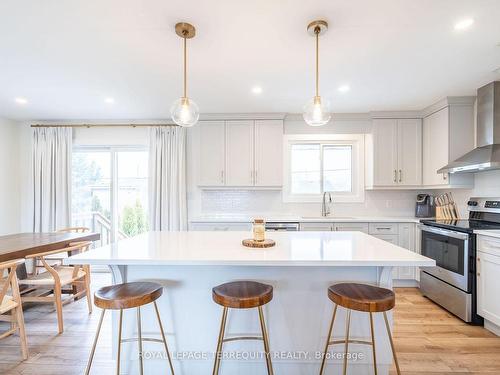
x,y
74,230
10,281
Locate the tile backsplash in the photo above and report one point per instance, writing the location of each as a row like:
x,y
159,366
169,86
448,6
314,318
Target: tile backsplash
x,y
377,203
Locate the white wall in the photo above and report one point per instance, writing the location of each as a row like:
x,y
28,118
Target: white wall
x,y
9,177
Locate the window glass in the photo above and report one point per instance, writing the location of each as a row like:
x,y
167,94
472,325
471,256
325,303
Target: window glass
x,y
337,168
305,169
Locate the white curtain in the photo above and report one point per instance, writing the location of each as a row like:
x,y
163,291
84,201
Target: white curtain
x,y
51,178
167,178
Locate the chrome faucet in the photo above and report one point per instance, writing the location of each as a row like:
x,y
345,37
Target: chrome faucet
x,y
325,208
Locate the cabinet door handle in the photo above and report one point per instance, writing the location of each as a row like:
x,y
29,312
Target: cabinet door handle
x,y
400,176
222,177
444,176
395,175
383,228
255,178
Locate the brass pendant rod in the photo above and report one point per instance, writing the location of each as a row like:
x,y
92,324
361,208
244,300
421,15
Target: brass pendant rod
x,y
317,31
185,69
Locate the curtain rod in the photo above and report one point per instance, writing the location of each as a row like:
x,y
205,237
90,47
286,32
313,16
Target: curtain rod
x,y
97,125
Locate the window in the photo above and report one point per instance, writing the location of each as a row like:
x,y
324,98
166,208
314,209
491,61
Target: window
x,y
110,191
315,164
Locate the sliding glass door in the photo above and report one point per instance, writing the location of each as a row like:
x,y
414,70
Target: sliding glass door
x,y
110,191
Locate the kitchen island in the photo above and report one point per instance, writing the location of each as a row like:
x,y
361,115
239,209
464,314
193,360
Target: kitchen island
x,y
300,268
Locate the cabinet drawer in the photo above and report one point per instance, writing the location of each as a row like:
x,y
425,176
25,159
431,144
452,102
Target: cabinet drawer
x,y
383,228
316,227
351,227
392,238
489,245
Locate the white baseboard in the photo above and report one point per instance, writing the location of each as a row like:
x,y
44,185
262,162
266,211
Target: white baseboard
x,y
492,327
404,283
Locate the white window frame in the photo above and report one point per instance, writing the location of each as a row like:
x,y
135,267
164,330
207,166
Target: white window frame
x,y
356,141
112,150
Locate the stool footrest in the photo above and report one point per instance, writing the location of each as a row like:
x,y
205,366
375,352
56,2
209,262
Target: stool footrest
x,y
243,338
335,342
133,339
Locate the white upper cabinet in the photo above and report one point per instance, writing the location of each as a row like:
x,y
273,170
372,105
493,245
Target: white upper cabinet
x,y
410,152
268,153
212,155
394,153
436,147
448,133
239,153
385,152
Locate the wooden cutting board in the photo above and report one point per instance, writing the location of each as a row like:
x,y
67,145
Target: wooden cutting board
x,y
258,244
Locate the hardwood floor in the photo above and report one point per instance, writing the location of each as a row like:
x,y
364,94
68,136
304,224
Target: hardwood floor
x,y
428,340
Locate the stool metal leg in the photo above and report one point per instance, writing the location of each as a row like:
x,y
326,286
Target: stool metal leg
x,y
392,343
373,344
139,331
89,364
219,342
164,339
266,342
328,340
119,343
348,323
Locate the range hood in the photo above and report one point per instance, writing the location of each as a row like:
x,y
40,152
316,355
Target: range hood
x,y
486,155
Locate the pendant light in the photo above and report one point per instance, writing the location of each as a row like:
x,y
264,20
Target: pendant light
x,y
317,110
185,111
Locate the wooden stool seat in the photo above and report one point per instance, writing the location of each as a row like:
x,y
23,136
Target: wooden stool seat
x,y
361,297
242,294
128,295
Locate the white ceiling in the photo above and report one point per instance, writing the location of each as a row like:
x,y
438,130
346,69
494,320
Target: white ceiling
x,y
66,57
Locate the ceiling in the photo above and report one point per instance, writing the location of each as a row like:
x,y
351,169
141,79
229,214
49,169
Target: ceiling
x,y
66,57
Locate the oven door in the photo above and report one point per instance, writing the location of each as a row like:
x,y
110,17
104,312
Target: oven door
x,y
450,250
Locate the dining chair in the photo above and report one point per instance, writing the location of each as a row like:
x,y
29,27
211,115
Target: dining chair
x,y
48,285
11,309
57,259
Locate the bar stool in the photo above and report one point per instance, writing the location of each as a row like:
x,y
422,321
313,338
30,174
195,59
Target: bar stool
x,y
242,295
127,296
364,298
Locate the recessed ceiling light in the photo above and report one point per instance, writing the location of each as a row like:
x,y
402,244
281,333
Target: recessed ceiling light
x,y
257,90
464,24
109,100
344,88
21,100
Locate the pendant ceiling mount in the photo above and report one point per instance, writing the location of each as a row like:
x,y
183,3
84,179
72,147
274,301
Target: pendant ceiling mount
x,y
185,30
318,27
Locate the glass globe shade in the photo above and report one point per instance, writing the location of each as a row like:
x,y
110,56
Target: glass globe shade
x,y
317,111
185,112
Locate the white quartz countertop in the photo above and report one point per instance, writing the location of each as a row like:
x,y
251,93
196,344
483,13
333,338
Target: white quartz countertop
x,y
225,248
302,219
489,233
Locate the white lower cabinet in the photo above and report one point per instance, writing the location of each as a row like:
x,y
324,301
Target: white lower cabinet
x,y
488,287
403,234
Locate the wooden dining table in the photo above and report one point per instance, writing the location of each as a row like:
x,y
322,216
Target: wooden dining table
x,y
20,245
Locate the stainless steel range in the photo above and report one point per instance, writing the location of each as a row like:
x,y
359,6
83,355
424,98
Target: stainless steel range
x,y
452,244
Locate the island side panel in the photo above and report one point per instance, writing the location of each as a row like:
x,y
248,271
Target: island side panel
x,y
297,319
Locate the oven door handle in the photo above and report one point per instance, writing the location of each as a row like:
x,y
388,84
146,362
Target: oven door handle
x,y
444,232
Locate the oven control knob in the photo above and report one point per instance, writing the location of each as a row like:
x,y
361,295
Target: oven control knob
x,y
472,203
